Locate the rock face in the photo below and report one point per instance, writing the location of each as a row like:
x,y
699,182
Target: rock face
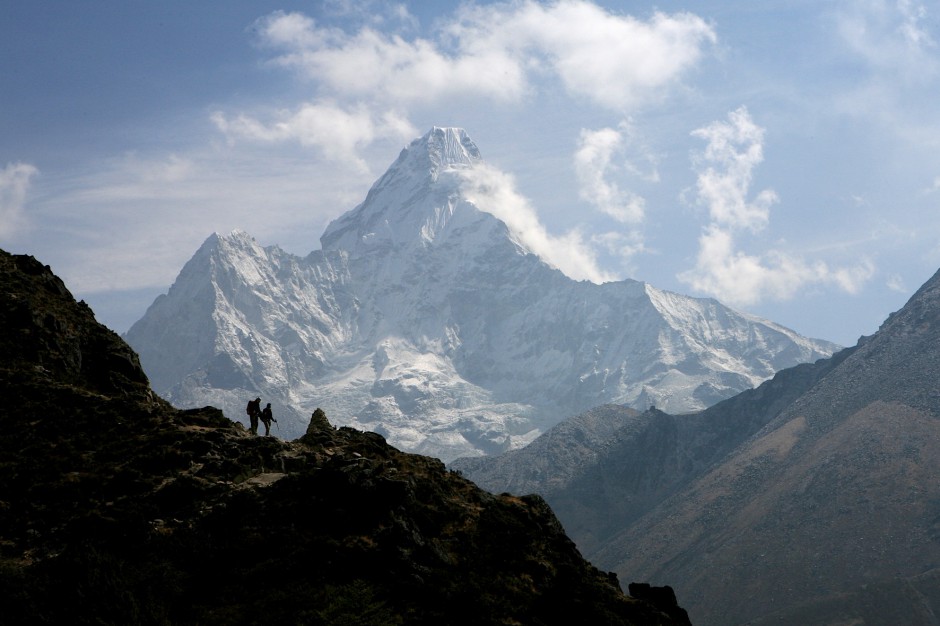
x,y
116,508
45,332
812,499
424,318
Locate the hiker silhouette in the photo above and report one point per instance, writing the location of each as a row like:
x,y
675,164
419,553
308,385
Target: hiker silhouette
x,y
266,418
254,412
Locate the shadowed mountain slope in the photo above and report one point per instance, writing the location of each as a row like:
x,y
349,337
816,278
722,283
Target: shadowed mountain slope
x,y
116,508
814,498
604,469
831,512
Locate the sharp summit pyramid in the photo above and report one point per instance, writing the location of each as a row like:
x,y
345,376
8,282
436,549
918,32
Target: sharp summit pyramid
x,y
425,319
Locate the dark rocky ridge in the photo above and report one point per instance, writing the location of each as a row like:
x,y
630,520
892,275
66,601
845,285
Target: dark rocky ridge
x,y
116,508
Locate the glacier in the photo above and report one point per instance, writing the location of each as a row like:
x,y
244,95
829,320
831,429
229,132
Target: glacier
x,y
426,319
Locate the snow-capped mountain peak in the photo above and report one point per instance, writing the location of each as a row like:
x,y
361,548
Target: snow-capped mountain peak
x,y
411,203
447,148
424,319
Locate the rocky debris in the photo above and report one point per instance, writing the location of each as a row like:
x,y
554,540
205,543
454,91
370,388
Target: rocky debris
x,y
116,508
318,423
663,598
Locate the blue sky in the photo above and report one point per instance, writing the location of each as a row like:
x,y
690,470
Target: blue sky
x,y
781,156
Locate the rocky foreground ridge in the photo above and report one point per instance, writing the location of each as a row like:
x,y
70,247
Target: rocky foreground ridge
x,y
117,508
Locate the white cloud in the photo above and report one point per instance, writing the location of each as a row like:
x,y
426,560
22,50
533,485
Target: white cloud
x,y
911,29
15,181
173,169
494,191
593,167
375,12
292,31
744,279
623,245
386,68
725,169
494,52
725,172
617,61
339,133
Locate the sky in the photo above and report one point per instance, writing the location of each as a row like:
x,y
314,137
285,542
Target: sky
x,y
780,156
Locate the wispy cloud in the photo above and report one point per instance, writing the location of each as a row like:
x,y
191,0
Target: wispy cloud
x,y
495,192
15,180
163,207
339,133
891,37
896,283
378,13
734,148
593,162
599,158
933,188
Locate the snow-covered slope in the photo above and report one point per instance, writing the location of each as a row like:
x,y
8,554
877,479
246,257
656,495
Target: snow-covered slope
x,y
425,319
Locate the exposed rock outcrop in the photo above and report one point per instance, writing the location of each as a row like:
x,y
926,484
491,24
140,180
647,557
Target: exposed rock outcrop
x,y
663,598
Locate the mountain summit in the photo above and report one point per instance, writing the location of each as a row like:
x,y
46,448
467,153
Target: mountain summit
x,y
398,209
422,318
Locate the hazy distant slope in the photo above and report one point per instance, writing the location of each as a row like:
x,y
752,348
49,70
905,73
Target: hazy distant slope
x,y
812,499
831,513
